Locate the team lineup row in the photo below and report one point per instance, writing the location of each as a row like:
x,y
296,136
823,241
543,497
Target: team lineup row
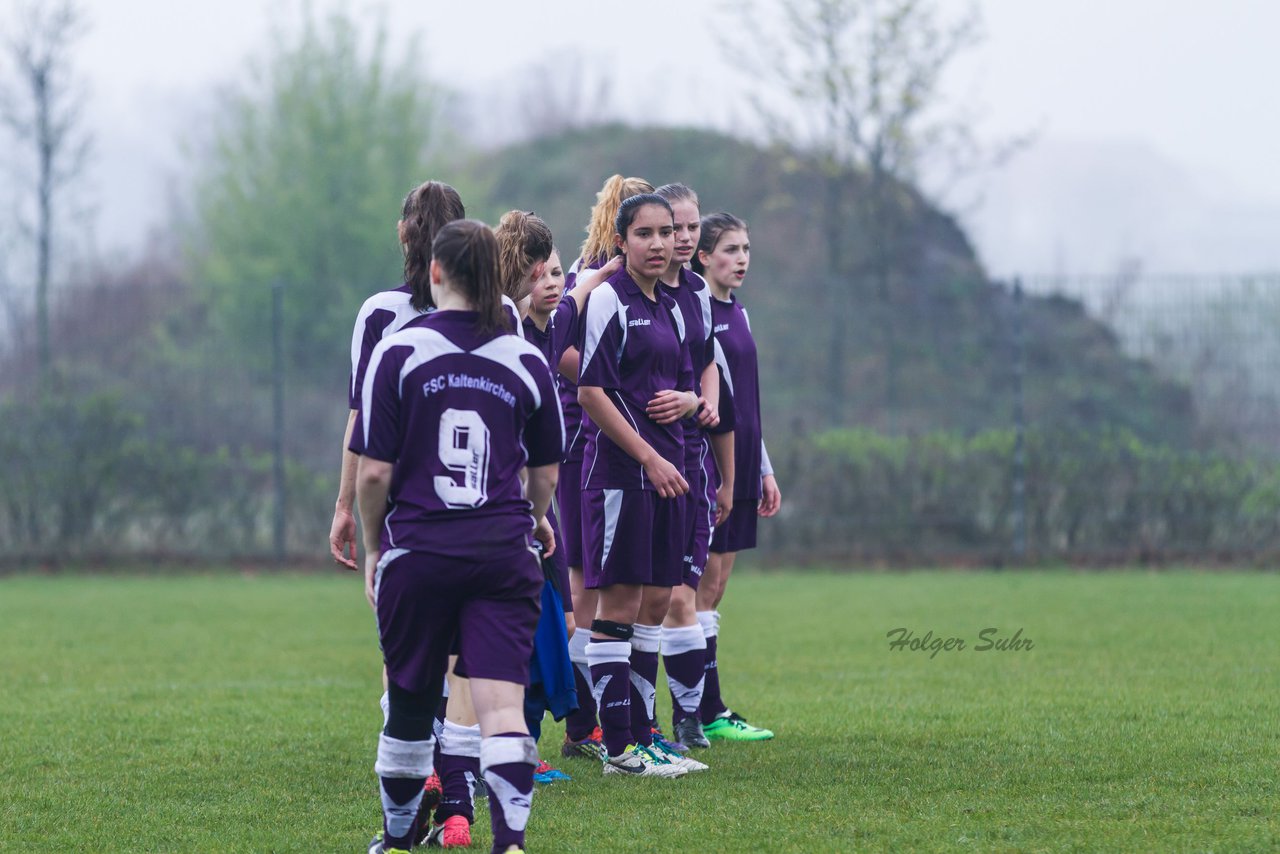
x,y
536,451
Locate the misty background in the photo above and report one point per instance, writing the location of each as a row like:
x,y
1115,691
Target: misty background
x,y
1036,319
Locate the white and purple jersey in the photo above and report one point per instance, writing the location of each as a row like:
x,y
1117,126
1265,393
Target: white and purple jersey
x,y
382,314
694,298
459,415
576,424
633,348
735,355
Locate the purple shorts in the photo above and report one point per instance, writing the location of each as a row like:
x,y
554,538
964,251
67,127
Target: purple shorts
x,y
738,533
631,536
426,602
699,518
558,562
569,511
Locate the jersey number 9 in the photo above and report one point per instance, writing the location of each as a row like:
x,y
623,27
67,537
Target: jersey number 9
x,y
464,450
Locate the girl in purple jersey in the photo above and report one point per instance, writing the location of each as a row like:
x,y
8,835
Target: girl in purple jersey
x,y
724,254
582,732
453,410
635,383
683,640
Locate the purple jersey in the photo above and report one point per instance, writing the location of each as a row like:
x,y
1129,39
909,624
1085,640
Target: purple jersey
x,y
694,298
459,415
739,395
576,424
561,332
633,348
382,314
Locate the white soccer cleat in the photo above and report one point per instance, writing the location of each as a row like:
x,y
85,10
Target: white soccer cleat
x,y
639,761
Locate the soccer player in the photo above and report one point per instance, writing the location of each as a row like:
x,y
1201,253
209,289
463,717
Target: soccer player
x,y
635,384
684,645
452,409
724,254
582,733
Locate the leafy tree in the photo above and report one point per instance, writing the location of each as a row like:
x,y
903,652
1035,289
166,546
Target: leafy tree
x,y
302,183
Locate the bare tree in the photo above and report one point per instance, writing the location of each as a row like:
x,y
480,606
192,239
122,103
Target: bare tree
x,y
856,85
43,107
562,94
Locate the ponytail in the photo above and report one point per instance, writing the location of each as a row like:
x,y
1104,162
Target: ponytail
x,y
467,253
524,240
600,230
427,208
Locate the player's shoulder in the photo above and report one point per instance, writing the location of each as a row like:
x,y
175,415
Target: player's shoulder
x,y
420,338
389,299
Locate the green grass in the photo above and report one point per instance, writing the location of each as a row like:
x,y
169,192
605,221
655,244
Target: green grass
x,y
232,713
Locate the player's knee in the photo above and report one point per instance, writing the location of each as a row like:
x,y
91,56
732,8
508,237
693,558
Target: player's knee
x,y
412,714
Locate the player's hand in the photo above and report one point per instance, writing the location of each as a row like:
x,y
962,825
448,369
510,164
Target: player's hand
x,y
707,415
370,573
543,533
342,536
770,497
665,478
669,406
724,503
590,278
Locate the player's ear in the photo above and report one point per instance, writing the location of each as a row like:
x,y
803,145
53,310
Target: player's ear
x,y
619,243
434,272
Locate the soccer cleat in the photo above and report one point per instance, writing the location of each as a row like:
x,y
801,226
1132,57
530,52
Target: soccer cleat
x,y
672,746
432,792
660,747
588,748
376,846
454,833
638,761
730,727
688,731
544,773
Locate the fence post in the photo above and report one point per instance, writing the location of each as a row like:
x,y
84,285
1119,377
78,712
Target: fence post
x,y
1019,425
277,377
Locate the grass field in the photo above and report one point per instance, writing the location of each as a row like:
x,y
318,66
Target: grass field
x,y
234,713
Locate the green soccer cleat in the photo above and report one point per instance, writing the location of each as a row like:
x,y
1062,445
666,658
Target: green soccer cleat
x,y
731,727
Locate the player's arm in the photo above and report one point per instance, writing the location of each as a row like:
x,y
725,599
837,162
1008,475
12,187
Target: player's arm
x,y
342,532
722,450
542,485
770,495
587,281
569,364
709,414
664,476
373,483
674,404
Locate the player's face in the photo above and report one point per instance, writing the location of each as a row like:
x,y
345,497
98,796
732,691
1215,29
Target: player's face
x,y
530,281
727,264
548,290
687,226
649,242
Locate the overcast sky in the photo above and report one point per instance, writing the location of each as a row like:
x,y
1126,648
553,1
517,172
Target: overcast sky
x,y
1113,87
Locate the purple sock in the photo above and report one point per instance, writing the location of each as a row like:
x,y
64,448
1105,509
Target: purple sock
x,y
712,705
611,685
508,761
459,769
581,723
644,676
684,656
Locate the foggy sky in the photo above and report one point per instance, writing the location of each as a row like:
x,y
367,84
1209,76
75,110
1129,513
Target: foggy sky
x,y
1130,99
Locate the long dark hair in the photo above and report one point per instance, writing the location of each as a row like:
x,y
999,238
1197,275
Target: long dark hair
x,y
467,252
630,209
427,208
713,227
